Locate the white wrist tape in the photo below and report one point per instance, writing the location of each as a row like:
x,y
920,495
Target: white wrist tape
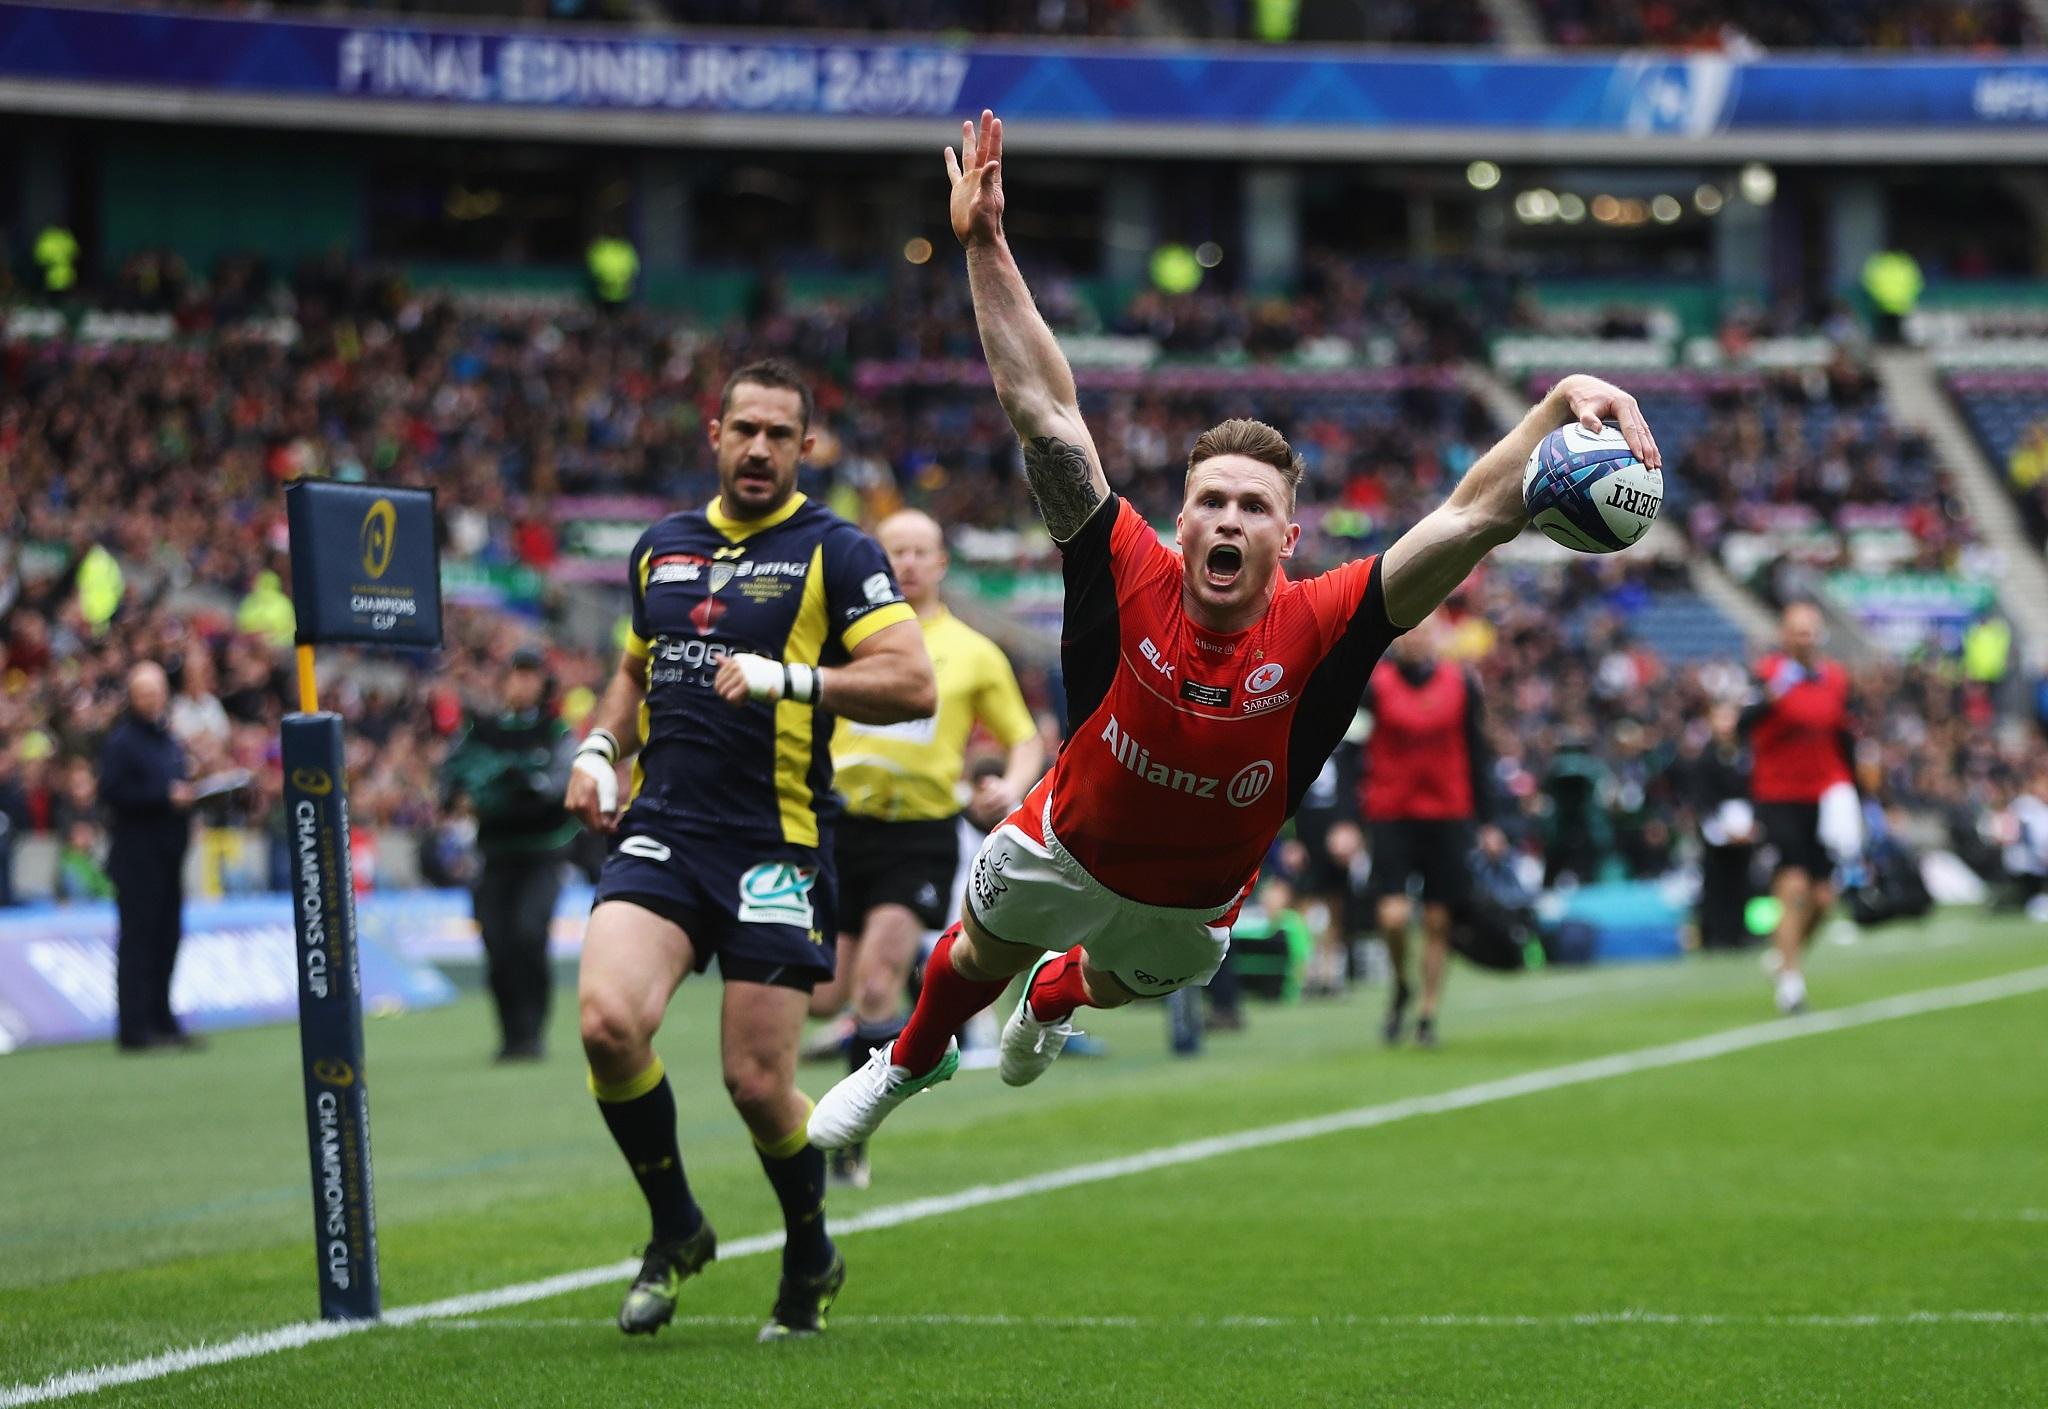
x,y
764,677
592,764
773,680
602,742
805,684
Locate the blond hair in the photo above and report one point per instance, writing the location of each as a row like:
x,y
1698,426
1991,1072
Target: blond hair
x,y
1255,440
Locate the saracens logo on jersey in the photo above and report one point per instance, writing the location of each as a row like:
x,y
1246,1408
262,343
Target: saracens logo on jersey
x,y
1264,678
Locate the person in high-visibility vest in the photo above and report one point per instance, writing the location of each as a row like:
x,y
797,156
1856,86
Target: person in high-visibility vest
x,y
1275,21
1892,279
100,585
56,254
1987,651
614,265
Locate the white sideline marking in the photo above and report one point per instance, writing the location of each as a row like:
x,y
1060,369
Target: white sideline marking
x,y
1450,1321
1697,1049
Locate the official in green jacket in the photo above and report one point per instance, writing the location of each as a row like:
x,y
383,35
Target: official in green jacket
x,y
512,765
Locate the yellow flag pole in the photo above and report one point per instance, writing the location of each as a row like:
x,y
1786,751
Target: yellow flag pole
x,y
309,694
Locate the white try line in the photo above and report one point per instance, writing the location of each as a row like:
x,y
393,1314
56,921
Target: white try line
x,y
1451,1321
1697,1049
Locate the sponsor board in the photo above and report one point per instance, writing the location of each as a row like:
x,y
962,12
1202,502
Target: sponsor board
x,y
1673,97
238,965
364,563
331,1018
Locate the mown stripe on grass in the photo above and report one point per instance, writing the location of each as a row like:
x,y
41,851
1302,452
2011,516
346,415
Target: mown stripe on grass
x,y
1449,1321
1698,1049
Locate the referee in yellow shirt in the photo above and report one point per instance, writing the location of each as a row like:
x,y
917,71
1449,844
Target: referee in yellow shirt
x,y
898,842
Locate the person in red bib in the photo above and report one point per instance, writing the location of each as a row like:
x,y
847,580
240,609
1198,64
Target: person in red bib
x,y
1423,788
1801,749
1205,689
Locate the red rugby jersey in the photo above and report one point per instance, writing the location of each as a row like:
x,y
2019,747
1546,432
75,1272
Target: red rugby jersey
x,y
1188,749
1419,758
1796,740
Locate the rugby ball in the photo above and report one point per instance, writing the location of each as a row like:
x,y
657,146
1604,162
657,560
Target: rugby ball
x,y
1588,490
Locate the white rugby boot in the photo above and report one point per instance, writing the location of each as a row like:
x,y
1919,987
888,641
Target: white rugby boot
x,y
1030,1045
1791,992
852,1111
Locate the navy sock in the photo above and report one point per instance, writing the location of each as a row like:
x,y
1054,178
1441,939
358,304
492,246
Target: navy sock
x,y
796,1169
869,1035
641,1114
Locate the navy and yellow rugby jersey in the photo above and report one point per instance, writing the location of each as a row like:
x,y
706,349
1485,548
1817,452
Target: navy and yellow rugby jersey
x,y
801,585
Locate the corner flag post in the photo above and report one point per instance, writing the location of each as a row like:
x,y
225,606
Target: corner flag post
x,y
364,570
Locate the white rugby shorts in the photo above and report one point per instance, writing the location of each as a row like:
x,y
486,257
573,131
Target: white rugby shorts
x,y
1030,892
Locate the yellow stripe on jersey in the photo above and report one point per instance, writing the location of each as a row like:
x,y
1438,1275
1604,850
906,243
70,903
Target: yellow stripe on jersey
x,y
794,722
910,772
874,621
642,651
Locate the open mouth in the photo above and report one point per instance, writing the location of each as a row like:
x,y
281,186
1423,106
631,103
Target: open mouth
x,y
1224,563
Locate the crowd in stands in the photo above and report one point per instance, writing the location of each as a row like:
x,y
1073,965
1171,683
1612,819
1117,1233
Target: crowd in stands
x,y
1792,475
2009,412
994,18
1747,27
1581,706
141,518
1741,29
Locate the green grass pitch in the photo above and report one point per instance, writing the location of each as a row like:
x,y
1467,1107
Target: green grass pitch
x,y
1855,1217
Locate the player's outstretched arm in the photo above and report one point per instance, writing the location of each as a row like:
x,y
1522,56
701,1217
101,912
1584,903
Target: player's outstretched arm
x,y
1033,380
1427,563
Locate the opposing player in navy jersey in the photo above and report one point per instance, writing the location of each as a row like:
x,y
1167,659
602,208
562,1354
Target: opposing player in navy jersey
x,y
756,621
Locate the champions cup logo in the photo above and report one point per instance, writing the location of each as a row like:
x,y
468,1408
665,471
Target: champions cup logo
x,y
330,1072
379,537
316,781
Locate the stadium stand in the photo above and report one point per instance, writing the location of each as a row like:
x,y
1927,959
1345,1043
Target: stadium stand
x,y
1797,477
166,454
2009,413
1745,28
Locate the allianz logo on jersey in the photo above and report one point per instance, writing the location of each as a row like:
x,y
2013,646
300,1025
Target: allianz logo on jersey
x,y
1246,786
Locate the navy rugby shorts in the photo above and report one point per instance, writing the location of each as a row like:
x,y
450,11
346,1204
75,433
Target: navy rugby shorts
x,y
766,910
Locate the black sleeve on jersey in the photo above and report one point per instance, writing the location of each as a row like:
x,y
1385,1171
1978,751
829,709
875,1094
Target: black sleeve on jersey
x,y
857,578
1089,644
1331,697
1751,716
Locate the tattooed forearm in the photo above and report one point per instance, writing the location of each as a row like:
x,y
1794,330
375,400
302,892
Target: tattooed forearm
x,y
1064,483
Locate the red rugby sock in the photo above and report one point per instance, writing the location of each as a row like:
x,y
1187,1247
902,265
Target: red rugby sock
x,y
944,1005
1059,989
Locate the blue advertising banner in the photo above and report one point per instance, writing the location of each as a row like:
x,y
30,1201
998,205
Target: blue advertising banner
x,y
331,1018
237,966
365,567
1642,94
